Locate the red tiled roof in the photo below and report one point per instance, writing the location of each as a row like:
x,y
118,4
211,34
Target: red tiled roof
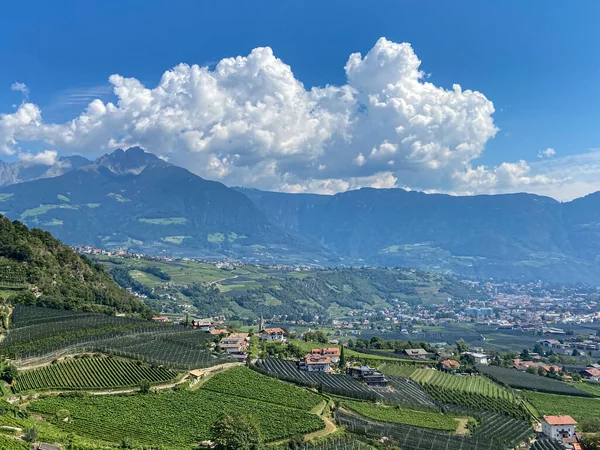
x,y
593,372
273,331
560,420
450,363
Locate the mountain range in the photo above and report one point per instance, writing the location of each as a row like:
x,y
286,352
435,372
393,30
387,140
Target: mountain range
x,y
135,200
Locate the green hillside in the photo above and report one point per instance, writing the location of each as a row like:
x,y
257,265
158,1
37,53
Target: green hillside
x,y
251,290
37,269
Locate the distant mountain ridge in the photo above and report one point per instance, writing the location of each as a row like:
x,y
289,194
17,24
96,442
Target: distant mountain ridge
x,y
518,236
135,200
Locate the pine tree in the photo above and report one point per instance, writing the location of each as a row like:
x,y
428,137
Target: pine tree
x,y
342,360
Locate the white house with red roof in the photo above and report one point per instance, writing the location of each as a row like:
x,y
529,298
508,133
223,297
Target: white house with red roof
x,y
272,334
315,363
559,427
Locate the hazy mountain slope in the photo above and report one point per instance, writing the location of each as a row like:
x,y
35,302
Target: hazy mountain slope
x,y
135,200
516,235
33,261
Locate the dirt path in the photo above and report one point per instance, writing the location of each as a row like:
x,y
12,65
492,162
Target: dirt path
x,y
462,425
330,428
212,283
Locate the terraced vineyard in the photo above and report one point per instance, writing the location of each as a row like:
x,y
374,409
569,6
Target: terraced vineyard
x,y
495,426
471,384
157,419
551,405
401,392
247,383
398,370
528,381
544,443
414,438
7,443
41,334
91,373
510,407
392,414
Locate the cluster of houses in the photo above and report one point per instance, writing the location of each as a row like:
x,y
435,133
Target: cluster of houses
x,y
322,359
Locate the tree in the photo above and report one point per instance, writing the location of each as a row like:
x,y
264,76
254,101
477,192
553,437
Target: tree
x,y
525,355
342,360
30,434
236,431
9,373
144,386
591,441
462,346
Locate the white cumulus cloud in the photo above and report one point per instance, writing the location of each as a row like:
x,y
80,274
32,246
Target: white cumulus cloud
x,y
548,153
46,158
249,121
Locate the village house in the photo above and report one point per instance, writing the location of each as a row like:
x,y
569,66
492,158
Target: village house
x,y
161,319
315,363
272,334
449,365
333,353
591,373
560,428
480,358
203,324
219,331
416,352
235,345
369,375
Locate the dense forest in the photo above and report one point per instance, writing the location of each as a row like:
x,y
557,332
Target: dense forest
x,y
45,272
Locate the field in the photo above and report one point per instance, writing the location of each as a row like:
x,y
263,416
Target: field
x,y
422,419
470,384
251,290
243,382
527,381
401,392
408,437
91,373
157,419
42,334
7,443
477,401
398,370
577,407
589,387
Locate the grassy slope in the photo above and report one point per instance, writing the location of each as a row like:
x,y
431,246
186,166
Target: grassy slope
x,y
422,419
579,408
157,418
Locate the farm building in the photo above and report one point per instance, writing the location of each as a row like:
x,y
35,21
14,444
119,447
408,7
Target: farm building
x,y
591,374
235,345
162,319
315,363
203,324
450,365
416,352
333,353
559,427
369,375
272,334
480,358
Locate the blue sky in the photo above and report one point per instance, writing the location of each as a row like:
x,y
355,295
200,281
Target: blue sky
x,y
537,62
